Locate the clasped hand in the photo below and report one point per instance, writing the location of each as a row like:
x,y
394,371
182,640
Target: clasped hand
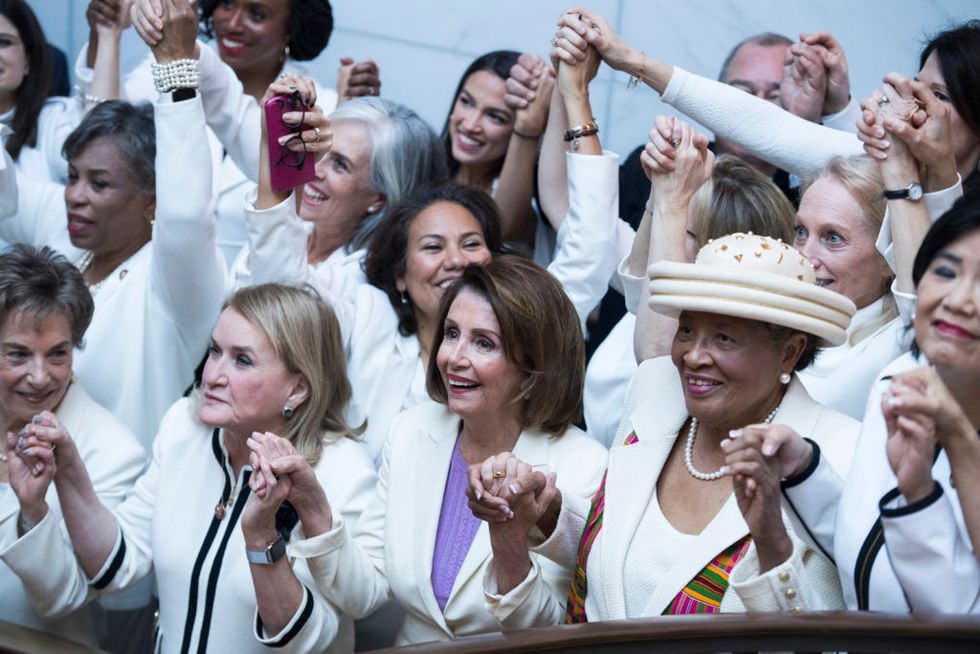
x,y
507,492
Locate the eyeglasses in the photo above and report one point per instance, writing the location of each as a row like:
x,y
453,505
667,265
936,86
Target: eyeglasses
x,y
288,157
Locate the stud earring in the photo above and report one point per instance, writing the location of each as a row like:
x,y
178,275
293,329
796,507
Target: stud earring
x,y
784,378
287,412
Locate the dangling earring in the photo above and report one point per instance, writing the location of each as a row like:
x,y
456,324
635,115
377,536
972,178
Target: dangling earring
x,y
403,296
285,54
287,412
785,378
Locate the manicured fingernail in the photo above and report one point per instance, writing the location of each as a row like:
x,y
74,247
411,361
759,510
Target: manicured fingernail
x,y
724,470
37,420
894,401
768,449
886,143
479,495
735,433
283,139
510,514
22,432
879,132
726,443
514,488
37,469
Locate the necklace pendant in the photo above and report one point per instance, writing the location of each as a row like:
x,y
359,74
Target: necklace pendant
x,y
219,510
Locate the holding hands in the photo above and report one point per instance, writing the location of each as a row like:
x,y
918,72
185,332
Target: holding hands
x,y
279,474
528,94
108,17
509,494
677,161
34,455
578,28
357,79
907,110
757,458
169,27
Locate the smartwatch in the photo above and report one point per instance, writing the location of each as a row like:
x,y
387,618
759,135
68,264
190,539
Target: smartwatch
x,y
911,192
272,552
179,95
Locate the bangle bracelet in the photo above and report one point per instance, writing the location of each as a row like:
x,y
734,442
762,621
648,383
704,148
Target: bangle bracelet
x,y
573,134
525,136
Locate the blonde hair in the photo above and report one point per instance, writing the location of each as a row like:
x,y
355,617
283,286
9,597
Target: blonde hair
x,y
738,198
305,334
860,177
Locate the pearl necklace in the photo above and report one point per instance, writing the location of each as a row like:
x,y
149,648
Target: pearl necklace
x,y
689,451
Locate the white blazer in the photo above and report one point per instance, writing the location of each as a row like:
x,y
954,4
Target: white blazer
x,y
154,313
390,550
891,555
114,460
44,162
168,520
655,413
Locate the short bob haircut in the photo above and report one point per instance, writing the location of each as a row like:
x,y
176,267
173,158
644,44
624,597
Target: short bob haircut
x,y
310,26
540,333
405,154
132,131
498,62
38,85
41,284
305,334
958,51
388,251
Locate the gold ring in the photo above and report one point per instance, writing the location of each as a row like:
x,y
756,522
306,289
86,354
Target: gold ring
x,y
499,474
317,130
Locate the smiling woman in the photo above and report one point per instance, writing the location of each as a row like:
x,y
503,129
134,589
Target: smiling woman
x,y
505,374
45,310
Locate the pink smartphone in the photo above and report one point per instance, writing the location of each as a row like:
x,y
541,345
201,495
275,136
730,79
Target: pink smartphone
x,y
288,169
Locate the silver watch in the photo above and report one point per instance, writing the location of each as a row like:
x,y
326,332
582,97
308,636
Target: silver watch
x,y
272,552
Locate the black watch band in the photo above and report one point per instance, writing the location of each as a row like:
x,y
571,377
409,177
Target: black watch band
x,y
911,192
180,95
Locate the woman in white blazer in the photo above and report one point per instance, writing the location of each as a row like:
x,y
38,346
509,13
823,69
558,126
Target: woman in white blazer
x,y
45,308
219,551
506,373
679,525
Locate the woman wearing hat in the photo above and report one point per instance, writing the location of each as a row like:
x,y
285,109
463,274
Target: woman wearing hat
x,y
671,528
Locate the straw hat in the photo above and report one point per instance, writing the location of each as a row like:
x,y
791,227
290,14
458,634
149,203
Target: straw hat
x,y
753,277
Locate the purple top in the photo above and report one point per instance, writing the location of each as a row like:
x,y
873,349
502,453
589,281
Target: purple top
x,y
457,528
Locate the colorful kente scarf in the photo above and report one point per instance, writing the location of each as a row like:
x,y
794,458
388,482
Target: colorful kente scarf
x,y
703,593
575,608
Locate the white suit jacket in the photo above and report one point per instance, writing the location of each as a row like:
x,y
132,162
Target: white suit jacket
x,y
114,460
892,556
390,551
655,413
154,313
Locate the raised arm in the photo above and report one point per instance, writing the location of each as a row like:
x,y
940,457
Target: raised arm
x,y
516,185
756,125
678,167
187,271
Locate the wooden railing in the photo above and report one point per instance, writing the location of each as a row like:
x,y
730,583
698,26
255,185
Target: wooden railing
x,y
15,639
807,632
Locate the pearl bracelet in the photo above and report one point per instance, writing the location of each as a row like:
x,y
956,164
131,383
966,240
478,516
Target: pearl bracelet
x,y
180,74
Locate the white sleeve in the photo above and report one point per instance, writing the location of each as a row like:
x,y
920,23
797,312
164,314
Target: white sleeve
x,y
937,203
930,554
39,218
8,185
844,120
348,563
586,256
137,85
814,496
760,127
187,269
233,116
313,626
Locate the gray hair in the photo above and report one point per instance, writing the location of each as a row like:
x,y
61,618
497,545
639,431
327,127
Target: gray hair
x,y
766,39
41,284
132,131
405,155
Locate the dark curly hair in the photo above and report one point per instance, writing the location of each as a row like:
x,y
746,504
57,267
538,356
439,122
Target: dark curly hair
x,y
387,252
498,62
38,85
310,26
